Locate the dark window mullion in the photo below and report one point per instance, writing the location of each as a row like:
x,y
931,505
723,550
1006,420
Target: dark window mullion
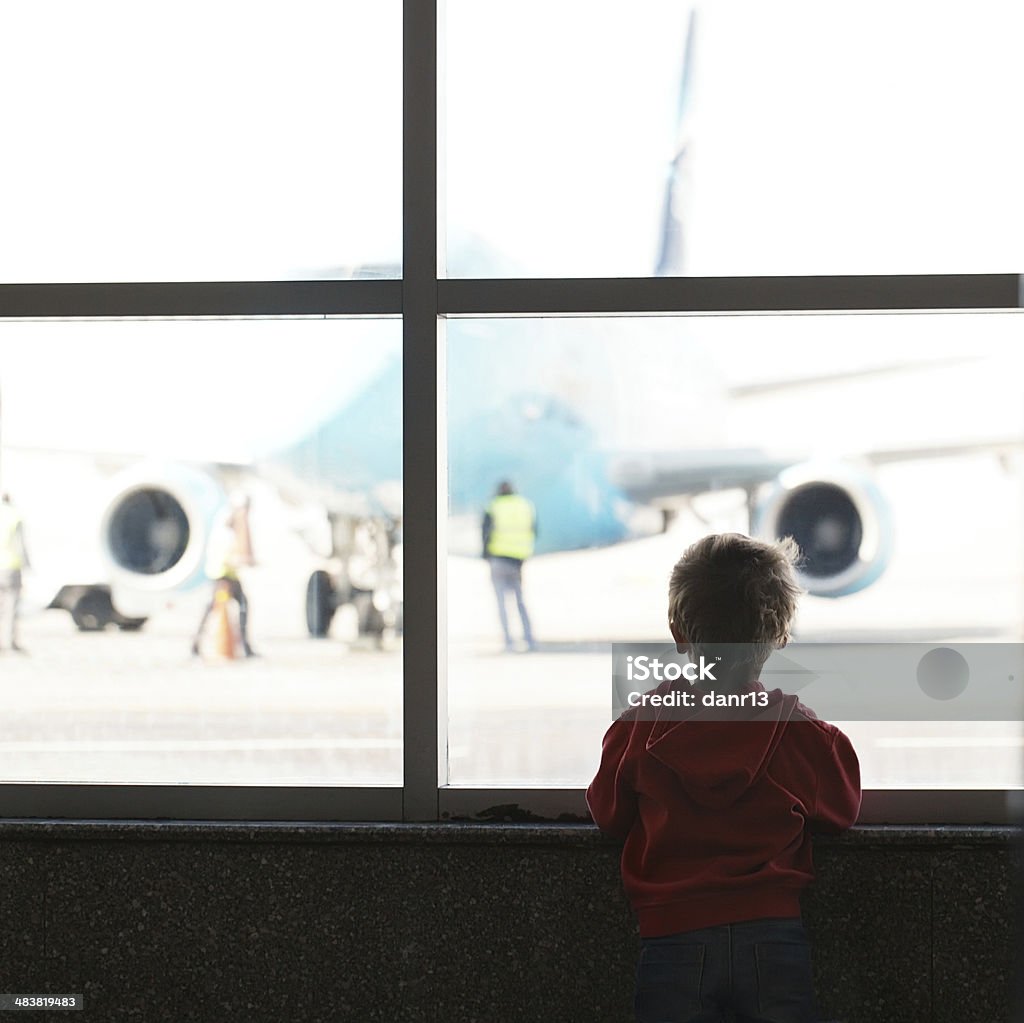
x,y
637,295
423,732
231,298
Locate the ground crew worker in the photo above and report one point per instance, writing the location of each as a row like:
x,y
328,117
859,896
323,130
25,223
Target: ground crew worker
x,y
509,532
13,559
228,550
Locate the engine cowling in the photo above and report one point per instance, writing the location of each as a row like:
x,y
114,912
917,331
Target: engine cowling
x,y
839,520
154,530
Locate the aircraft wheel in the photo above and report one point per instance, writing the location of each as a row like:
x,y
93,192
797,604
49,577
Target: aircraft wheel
x,y
93,611
131,624
319,604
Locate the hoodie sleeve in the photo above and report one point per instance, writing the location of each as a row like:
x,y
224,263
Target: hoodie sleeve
x,y
837,790
611,797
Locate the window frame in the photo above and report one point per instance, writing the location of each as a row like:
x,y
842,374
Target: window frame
x,y
424,299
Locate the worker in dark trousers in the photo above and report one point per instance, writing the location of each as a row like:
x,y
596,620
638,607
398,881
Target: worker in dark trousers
x,y
230,548
13,560
509,533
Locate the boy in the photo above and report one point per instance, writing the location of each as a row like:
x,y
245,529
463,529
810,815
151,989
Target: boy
x,y
716,813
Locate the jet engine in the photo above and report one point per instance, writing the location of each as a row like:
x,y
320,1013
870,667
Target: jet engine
x,y
154,530
839,520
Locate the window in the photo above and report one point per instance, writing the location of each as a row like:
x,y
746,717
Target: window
x,y
732,138
211,145
125,471
299,214
634,437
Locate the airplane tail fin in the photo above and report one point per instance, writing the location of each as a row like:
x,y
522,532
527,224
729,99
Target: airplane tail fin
x,y
671,251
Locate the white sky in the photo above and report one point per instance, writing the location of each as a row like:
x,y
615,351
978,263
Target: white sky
x,y
206,390
198,140
825,137
229,140
239,139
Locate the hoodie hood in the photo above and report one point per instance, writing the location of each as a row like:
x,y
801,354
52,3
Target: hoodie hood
x,y
717,760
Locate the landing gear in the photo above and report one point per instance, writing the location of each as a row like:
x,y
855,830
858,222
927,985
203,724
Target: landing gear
x,y
92,609
375,617
378,619
366,555
320,604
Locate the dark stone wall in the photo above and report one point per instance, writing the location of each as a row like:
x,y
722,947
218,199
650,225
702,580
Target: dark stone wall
x,y
453,923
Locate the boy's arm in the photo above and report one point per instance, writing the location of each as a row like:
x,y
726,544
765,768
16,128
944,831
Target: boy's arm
x,y
837,788
611,797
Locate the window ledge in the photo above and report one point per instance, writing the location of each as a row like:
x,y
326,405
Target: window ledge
x,y
573,835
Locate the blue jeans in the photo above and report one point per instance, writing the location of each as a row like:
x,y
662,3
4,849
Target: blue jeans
x,y
506,575
759,969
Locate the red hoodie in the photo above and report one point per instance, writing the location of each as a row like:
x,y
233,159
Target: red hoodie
x,y
716,814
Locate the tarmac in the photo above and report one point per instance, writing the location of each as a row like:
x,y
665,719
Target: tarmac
x,y
137,708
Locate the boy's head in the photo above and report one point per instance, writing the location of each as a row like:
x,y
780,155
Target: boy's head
x,y
730,589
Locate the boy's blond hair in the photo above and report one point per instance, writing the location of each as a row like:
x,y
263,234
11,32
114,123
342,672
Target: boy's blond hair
x,y
730,589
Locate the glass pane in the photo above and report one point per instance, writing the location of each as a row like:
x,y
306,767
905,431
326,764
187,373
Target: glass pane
x,y
635,437
200,142
733,138
187,490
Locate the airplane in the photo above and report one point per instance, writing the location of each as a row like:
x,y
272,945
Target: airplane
x,y
570,420
567,416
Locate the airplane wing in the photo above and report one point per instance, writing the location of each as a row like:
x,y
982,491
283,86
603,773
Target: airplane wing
x,y
382,499
1001,447
658,477
647,478
760,388
834,510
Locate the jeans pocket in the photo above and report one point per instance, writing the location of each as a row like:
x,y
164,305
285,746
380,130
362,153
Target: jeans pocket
x,y
668,980
785,982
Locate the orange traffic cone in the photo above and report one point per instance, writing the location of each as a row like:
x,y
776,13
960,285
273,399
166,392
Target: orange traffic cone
x,y
225,632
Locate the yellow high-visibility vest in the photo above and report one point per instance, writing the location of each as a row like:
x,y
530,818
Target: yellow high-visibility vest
x,y
511,527
10,542
222,554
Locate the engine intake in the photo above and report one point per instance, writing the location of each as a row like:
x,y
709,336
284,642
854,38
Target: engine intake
x,y
154,531
840,522
148,531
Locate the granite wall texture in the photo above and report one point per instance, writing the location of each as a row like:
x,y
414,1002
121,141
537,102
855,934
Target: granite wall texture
x,y
452,923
